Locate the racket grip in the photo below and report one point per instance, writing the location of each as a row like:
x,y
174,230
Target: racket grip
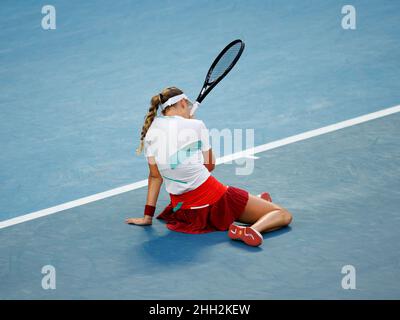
x,y
194,108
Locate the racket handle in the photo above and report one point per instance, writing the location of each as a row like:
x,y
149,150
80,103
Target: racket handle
x,y
194,108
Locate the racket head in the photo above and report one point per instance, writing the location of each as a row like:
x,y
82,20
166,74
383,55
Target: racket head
x,y
221,66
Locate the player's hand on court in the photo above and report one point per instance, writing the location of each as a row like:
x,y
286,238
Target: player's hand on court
x,y
145,221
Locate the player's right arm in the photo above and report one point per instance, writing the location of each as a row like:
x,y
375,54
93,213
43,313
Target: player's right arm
x,y
209,160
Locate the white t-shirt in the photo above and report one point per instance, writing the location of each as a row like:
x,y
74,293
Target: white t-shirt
x,y
177,144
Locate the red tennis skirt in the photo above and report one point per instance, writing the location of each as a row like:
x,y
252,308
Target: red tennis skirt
x,y
216,217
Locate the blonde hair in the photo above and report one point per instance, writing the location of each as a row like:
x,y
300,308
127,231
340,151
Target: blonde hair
x,y
151,114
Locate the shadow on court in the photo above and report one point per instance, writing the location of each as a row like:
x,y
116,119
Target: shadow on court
x,y
176,248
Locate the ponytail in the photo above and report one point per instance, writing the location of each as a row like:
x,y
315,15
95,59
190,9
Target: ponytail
x,y
151,114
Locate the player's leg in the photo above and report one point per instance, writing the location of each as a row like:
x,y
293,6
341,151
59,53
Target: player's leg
x,y
263,216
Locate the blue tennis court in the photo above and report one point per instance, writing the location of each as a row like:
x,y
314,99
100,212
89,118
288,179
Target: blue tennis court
x,y
72,103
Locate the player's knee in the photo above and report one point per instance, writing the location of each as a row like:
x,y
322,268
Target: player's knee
x,y
287,217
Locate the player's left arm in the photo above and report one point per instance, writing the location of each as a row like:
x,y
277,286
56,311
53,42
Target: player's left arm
x,y
154,185
155,181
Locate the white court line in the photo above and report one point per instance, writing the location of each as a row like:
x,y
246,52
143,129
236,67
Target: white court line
x,y
245,153
249,156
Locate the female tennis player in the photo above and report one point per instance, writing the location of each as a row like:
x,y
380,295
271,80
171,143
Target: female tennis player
x,y
178,152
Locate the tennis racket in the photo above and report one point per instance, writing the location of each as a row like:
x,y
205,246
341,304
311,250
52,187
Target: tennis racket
x,y
221,66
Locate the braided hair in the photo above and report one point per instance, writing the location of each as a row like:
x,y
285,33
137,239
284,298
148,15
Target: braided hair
x,y
155,103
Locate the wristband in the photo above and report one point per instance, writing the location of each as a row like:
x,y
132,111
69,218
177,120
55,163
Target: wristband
x,y
149,210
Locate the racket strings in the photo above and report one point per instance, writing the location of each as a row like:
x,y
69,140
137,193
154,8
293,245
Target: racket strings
x,y
225,61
